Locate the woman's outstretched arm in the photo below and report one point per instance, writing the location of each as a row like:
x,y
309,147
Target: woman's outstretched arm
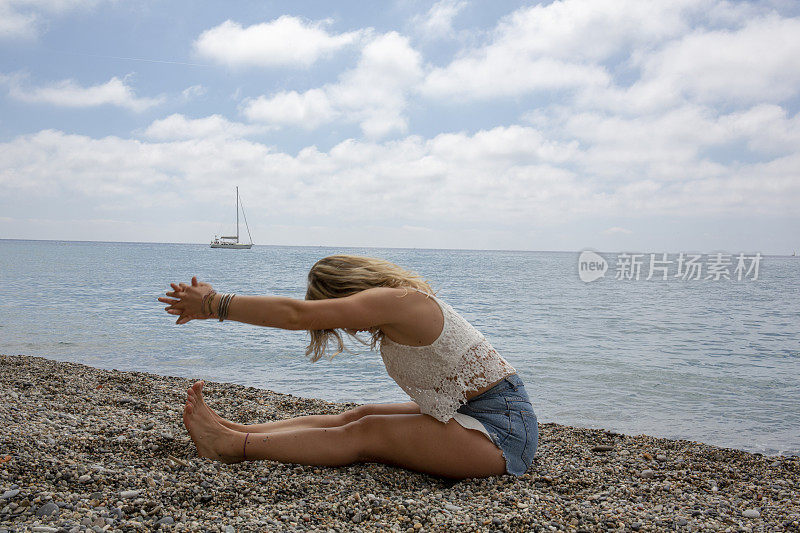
x,y
366,309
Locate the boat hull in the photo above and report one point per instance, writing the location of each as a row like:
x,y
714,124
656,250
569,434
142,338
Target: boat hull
x,y
233,246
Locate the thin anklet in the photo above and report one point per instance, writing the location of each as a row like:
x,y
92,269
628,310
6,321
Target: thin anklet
x,y
244,447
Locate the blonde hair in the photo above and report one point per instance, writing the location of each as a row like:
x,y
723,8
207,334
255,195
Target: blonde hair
x,y
338,276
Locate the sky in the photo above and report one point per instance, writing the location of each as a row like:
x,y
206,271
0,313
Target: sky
x,y
614,125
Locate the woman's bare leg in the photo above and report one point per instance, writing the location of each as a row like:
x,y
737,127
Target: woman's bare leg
x,y
310,421
413,441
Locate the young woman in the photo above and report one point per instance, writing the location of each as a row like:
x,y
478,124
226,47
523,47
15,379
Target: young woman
x,y
471,415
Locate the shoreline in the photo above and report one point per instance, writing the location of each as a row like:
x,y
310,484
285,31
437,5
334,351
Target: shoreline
x,y
90,449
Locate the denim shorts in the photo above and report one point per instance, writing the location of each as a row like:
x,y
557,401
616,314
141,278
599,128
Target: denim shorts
x,y
507,414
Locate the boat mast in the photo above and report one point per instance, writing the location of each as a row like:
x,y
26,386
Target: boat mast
x,y
237,213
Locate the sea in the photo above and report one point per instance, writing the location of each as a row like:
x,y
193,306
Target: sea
x,y
709,360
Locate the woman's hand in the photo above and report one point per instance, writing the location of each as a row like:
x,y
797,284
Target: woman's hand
x,y
186,300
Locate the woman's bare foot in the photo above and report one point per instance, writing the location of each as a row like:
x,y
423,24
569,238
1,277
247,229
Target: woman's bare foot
x,y
197,391
212,439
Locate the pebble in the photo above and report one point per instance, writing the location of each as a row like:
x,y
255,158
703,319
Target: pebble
x,y
751,513
47,509
154,479
602,448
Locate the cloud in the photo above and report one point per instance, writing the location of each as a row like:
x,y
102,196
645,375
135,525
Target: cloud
x,y
758,63
561,45
438,21
22,19
497,74
412,179
689,142
68,93
178,127
284,42
607,110
374,93
514,176
616,230
307,110
14,24
193,92
765,128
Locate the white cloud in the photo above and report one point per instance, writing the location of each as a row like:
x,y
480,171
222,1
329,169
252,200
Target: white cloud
x,y
514,177
307,110
286,41
498,74
16,25
560,45
374,93
68,93
765,128
410,179
616,230
686,142
22,19
438,21
669,109
758,63
193,92
513,144
178,127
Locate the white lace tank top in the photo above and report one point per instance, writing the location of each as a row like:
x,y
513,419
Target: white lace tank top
x,y
438,376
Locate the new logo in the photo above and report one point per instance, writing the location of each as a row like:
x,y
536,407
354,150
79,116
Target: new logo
x,y
591,266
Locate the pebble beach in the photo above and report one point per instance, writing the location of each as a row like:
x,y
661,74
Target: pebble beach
x,y
86,449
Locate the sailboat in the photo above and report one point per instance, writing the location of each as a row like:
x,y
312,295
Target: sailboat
x,y
232,242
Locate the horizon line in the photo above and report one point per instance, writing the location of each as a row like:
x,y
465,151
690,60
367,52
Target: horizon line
x,y
379,247
292,245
